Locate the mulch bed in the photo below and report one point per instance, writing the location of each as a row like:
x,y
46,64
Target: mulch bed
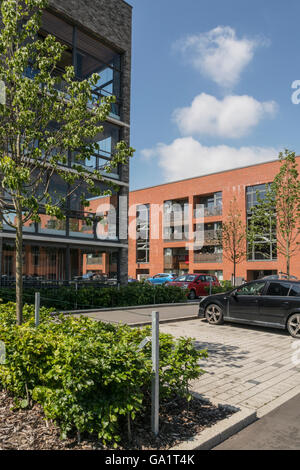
x,y
28,430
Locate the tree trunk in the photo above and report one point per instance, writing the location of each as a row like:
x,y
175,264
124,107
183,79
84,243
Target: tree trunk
x,y
288,265
288,258
234,272
19,267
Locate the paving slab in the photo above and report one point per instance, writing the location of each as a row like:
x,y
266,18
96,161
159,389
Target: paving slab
x,y
246,365
278,430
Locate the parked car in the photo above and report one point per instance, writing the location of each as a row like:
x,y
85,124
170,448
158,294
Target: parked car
x,y
267,302
195,283
160,279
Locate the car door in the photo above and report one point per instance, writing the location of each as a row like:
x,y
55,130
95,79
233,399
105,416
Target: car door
x,y
275,303
244,302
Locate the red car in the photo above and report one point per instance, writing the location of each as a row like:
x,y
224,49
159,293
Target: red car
x,y
195,283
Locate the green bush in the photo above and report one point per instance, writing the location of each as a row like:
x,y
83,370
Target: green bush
x,y
65,298
225,286
89,376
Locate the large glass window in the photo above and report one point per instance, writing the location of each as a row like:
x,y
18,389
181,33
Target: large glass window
x,y
264,246
93,57
213,205
47,263
100,160
50,225
143,234
254,193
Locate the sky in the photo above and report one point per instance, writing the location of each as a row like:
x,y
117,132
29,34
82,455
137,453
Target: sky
x,y
212,86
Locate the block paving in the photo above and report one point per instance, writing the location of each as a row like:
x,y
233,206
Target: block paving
x,y
246,366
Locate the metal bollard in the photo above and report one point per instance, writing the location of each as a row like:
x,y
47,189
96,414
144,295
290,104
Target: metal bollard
x,y
37,308
155,373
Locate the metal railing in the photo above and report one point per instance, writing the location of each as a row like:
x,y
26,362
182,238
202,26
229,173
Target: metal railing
x,y
208,258
53,284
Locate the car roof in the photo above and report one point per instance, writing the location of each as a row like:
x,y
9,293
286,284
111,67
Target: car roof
x,y
294,281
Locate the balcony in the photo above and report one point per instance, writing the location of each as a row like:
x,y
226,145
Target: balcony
x,y
208,258
212,237
208,212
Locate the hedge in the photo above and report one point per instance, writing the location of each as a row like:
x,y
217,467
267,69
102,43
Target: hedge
x,y
90,376
225,286
64,298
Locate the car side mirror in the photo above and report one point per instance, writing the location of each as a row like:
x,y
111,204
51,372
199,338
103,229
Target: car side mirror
x,y
233,294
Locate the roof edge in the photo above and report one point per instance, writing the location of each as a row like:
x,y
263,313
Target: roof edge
x,y
207,174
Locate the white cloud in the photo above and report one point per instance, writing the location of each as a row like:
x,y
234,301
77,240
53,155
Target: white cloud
x,y
219,54
187,158
232,117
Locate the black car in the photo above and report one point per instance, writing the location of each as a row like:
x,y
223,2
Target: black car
x,y
271,303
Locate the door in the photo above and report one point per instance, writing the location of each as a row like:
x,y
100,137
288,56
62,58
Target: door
x,y
276,304
244,303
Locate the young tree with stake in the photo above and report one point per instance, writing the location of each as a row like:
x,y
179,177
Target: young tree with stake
x,y
233,237
42,126
279,212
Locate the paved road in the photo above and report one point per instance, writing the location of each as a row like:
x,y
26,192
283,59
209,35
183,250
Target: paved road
x,y
279,430
132,316
246,366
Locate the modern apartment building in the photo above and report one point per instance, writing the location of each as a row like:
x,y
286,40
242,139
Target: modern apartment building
x,y
170,216
97,34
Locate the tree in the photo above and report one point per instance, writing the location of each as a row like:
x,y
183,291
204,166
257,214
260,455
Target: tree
x,y
48,126
279,212
233,237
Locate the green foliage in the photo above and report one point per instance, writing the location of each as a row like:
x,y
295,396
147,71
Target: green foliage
x,y
225,286
90,376
276,217
66,298
49,122
8,314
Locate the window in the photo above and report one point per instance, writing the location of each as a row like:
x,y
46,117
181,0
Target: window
x,y
254,193
35,250
295,290
213,204
143,233
93,57
255,288
280,289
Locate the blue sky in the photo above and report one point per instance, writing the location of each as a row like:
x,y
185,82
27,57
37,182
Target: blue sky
x,y
211,85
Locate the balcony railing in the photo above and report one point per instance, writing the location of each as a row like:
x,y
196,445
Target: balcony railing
x,y
208,211
208,258
212,236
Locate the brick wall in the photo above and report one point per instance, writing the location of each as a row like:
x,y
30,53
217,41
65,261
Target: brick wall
x,y
232,184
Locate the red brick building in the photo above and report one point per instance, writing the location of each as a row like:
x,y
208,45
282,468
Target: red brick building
x,y
163,248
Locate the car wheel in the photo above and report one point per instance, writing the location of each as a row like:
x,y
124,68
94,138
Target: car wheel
x,y
214,314
192,295
293,325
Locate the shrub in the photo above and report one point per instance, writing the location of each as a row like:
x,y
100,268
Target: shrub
x,y
225,286
65,298
89,376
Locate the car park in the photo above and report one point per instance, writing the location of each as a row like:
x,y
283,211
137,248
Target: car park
x,y
273,303
197,284
161,279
